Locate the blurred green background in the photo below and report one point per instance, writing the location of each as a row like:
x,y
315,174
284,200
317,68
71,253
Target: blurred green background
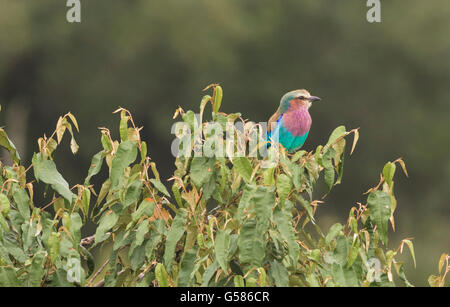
x,y
391,79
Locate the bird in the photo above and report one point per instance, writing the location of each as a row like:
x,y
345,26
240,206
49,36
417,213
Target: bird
x,y
292,121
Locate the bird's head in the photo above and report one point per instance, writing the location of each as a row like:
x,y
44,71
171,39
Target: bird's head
x,y
300,98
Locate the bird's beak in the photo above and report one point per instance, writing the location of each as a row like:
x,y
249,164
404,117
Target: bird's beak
x,y
313,98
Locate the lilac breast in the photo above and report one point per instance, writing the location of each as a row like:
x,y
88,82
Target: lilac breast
x,y
297,121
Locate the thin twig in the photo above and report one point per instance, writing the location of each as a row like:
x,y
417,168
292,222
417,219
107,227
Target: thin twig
x,y
98,271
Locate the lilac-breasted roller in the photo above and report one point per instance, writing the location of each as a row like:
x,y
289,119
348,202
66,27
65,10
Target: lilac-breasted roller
x,y
292,120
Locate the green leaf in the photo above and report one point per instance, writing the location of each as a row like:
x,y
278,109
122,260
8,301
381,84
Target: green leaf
x,y
28,232
353,252
15,250
332,233
145,208
284,186
401,273
344,277
251,243
187,267
5,206
203,103
218,94
125,155
177,195
307,207
312,280
262,278
37,269
298,174
221,247
45,170
160,186
141,231
47,229
298,155
279,274
189,117
8,277
107,221
22,200
133,193
174,235
388,172
54,244
329,168
75,227
411,250
123,125
209,273
161,275
283,220
202,169
8,145
4,225
243,167
96,166
155,239
337,133
340,253
269,176
85,201
106,141
264,200
251,282
244,202
379,204
239,281
137,258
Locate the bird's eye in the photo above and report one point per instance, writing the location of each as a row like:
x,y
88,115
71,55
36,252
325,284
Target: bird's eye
x,y
301,97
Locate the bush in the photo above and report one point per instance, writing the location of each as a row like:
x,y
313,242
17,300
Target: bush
x,y
227,221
